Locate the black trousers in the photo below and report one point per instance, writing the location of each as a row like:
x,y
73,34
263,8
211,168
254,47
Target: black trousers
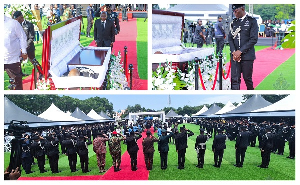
x,y
240,155
281,144
133,157
72,161
292,149
41,162
220,45
181,158
84,162
26,164
14,71
89,26
200,157
148,160
265,156
163,160
53,162
245,67
218,156
252,141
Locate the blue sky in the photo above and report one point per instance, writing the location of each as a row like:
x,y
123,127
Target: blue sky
x,y
159,101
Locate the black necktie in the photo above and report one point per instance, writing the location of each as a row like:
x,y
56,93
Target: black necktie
x,y
102,23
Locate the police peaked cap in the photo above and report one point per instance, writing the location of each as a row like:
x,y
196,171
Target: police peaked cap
x,y
163,130
201,130
220,16
236,6
17,14
108,5
148,133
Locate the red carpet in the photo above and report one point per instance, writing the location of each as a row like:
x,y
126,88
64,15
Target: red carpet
x,y
267,60
127,37
94,177
126,174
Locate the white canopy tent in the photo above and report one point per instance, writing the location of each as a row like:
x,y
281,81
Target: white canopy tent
x,y
204,109
286,104
228,107
94,115
55,114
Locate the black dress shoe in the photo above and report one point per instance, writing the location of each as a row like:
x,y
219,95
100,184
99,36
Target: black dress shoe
x,y
288,157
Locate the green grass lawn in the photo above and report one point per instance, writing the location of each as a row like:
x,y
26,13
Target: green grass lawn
x,y
280,167
282,78
142,51
142,47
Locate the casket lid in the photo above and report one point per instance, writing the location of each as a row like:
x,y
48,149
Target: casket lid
x,y
166,28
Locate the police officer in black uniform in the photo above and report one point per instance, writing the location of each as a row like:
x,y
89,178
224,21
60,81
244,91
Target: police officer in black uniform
x,y
38,150
69,145
52,152
266,147
200,147
242,142
113,16
181,145
82,150
218,148
291,140
242,37
26,155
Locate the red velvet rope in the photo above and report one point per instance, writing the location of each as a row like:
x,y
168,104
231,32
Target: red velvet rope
x,y
225,78
201,79
32,76
213,88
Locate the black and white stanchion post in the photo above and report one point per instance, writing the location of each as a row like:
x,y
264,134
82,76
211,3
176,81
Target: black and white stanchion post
x,y
130,70
220,70
196,73
125,60
12,85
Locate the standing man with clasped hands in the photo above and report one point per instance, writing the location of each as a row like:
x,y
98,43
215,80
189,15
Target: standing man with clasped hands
x,y
104,31
242,37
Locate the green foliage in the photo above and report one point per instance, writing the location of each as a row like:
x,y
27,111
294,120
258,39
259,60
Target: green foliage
x,y
142,47
37,104
289,40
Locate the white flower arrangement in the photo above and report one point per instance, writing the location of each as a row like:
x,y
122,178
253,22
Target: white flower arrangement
x,y
43,84
117,79
163,78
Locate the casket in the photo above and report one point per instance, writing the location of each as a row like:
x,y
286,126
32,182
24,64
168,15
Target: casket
x,y
167,39
62,52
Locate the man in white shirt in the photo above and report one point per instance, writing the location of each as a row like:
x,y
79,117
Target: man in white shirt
x,y
15,44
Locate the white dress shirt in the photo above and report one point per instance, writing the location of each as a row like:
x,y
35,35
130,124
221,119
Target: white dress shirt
x,y
15,40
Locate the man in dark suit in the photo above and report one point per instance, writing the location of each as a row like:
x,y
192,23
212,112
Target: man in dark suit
x,y
242,37
163,148
181,145
104,31
218,148
266,146
200,147
242,142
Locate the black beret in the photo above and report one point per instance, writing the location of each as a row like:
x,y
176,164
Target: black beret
x,y
202,130
236,6
17,14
